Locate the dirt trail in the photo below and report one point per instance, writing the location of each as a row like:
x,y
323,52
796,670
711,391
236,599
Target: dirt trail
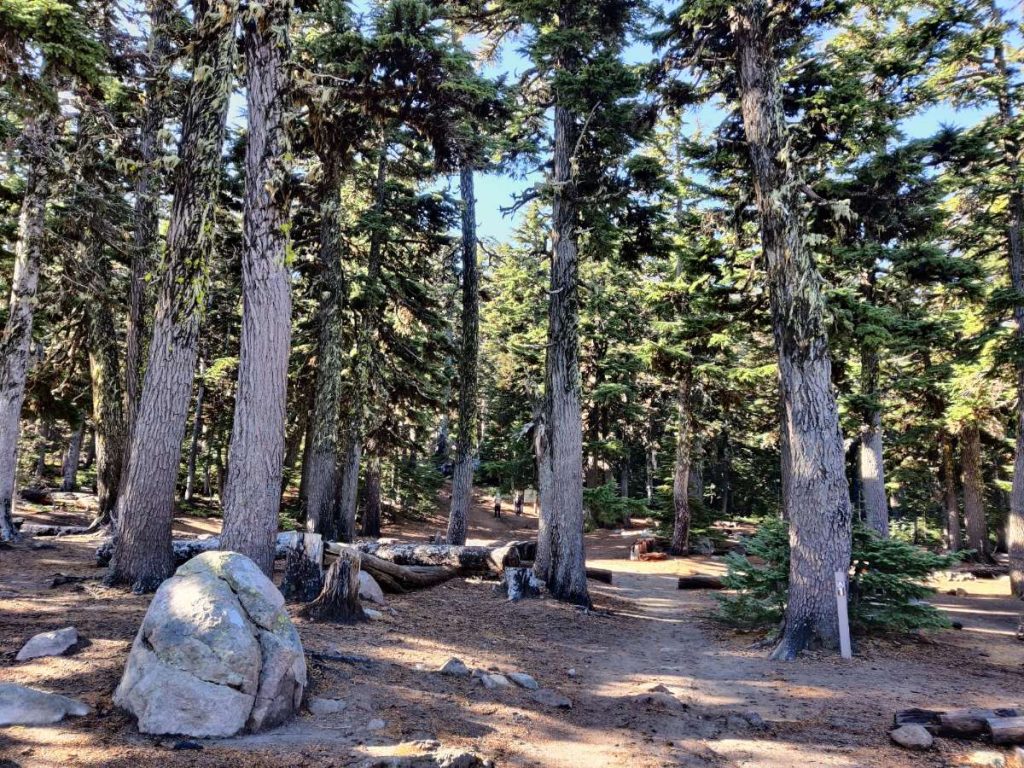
x,y
723,703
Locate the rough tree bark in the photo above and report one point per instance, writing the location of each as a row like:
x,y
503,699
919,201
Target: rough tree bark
x,y
320,466
371,514
197,431
38,137
339,599
974,491
147,193
872,471
462,477
562,505
69,467
146,506
681,471
252,497
949,496
817,497
107,397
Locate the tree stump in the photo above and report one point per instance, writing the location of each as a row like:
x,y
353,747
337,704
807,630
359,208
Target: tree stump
x,y
520,583
339,599
303,570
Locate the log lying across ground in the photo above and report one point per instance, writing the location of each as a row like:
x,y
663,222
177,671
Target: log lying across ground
x,y
185,549
393,577
36,529
1005,726
700,581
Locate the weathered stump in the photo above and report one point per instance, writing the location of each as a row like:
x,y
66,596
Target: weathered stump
x,y
339,599
520,583
303,570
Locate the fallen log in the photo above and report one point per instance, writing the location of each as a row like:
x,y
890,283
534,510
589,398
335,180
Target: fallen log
x,y
972,722
928,718
465,559
1006,730
700,581
37,529
185,549
36,495
600,574
396,578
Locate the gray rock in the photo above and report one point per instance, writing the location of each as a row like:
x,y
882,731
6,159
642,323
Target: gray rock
x,y
375,725
216,653
550,698
27,706
455,668
912,737
320,706
369,589
55,643
494,680
704,546
373,615
523,680
456,758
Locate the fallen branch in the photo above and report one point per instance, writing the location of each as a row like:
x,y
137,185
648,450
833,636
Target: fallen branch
x,y
185,549
36,529
700,581
393,577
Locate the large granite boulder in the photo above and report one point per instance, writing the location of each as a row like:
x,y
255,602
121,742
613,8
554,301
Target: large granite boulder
x,y
216,653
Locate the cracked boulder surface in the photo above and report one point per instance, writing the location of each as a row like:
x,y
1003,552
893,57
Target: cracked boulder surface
x,y
216,653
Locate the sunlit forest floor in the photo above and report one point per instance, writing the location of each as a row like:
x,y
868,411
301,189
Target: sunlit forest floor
x,y
643,633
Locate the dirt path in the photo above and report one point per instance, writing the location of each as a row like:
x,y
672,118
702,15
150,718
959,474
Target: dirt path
x,y
723,703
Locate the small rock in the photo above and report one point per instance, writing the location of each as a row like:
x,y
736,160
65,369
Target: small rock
x,y
961,592
550,698
523,680
957,625
659,688
20,705
736,723
373,615
912,737
320,706
187,744
369,589
375,725
455,668
494,680
987,758
571,673
54,643
456,758
755,720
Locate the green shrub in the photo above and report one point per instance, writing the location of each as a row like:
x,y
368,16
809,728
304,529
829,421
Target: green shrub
x,y
887,590
607,509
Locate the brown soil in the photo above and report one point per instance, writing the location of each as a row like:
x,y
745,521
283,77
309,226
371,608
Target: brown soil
x,y
819,711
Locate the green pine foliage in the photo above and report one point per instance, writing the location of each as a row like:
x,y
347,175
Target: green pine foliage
x,y
888,592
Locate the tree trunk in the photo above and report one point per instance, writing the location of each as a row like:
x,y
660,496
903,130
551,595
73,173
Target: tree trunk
x,y
1015,248
339,599
146,507
562,506
949,496
44,431
197,431
974,492
69,467
107,398
872,471
39,135
817,497
252,497
323,454
365,350
542,562
371,515
462,478
681,472
89,439
147,194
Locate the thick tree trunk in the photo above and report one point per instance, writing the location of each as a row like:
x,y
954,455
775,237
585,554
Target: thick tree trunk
x,y
252,497
69,467
348,493
949,495
872,471
323,454
107,397
371,515
1015,249
562,507
197,431
90,448
974,492
462,479
44,431
817,497
39,136
146,506
147,193
681,472
542,562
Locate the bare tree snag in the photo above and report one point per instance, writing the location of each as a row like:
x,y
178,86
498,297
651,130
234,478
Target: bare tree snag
x,y
521,582
339,599
303,571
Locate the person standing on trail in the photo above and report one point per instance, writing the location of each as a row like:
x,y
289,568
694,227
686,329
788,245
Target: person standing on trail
x,y
519,503
497,504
